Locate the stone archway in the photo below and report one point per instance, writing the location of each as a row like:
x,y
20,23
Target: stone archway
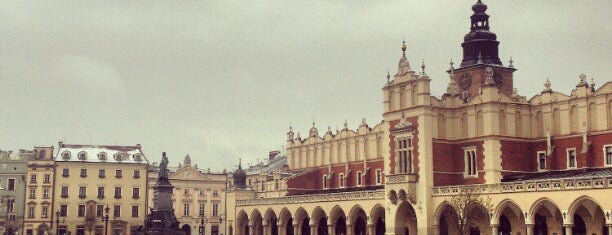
x,y
587,217
301,222
447,220
186,229
337,218
478,220
319,221
271,221
242,223
256,223
358,221
405,219
377,220
285,221
509,218
43,229
546,217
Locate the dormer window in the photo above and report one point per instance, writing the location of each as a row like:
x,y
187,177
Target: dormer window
x,y
102,156
82,156
137,158
66,155
118,157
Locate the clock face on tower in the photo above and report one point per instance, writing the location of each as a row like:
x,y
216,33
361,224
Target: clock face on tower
x,y
465,81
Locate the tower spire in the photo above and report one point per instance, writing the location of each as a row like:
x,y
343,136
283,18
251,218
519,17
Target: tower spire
x,y
480,39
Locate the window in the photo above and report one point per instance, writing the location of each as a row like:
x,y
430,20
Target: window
x,y
63,210
215,192
80,230
359,175
186,192
99,210
33,179
134,211
117,211
276,184
118,173
571,158
341,179
404,155
325,181
202,192
32,193
31,210
117,192
136,174
11,184
378,176
66,172
471,169
137,157
47,179
10,205
83,172
82,156
81,211
64,191
46,192
102,173
202,209
541,160
82,192
118,157
135,193
608,155
215,211
100,192
44,213
102,156
66,155
186,209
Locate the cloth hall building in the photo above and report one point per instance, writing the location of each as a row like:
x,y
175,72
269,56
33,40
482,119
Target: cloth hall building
x,y
545,163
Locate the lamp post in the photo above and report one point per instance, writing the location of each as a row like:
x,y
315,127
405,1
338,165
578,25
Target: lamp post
x,y
106,219
57,214
203,222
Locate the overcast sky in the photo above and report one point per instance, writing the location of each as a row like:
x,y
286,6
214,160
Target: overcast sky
x,y
220,80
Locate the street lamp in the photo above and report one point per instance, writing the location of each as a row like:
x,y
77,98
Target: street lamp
x,y
106,219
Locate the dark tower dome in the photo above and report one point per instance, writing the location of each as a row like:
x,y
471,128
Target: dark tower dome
x,y
239,177
480,45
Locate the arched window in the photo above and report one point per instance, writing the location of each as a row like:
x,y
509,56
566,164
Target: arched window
x,y
574,122
82,156
518,123
441,126
503,125
556,122
592,116
539,123
118,157
137,158
66,155
102,156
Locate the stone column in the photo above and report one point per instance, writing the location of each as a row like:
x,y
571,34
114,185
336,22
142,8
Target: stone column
x,y
281,229
568,229
529,229
494,229
313,229
436,231
265,228
330,229
609,229
250,230
371,229
349,229
296,229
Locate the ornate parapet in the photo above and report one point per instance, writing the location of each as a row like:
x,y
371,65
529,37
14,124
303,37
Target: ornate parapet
x,y
402,178
345,196
529,186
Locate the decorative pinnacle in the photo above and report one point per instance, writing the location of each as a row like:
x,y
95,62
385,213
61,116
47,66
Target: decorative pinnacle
x,y
547,83
404,47
592,82
423,67
388,76
313,122
452,67
479,57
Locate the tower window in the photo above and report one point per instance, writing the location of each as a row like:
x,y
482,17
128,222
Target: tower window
x,y
471,169
571,158
325,181
404,155
341,178
359,175
378,176
541,160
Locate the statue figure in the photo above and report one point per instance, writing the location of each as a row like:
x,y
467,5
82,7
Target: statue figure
x,y
163,167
